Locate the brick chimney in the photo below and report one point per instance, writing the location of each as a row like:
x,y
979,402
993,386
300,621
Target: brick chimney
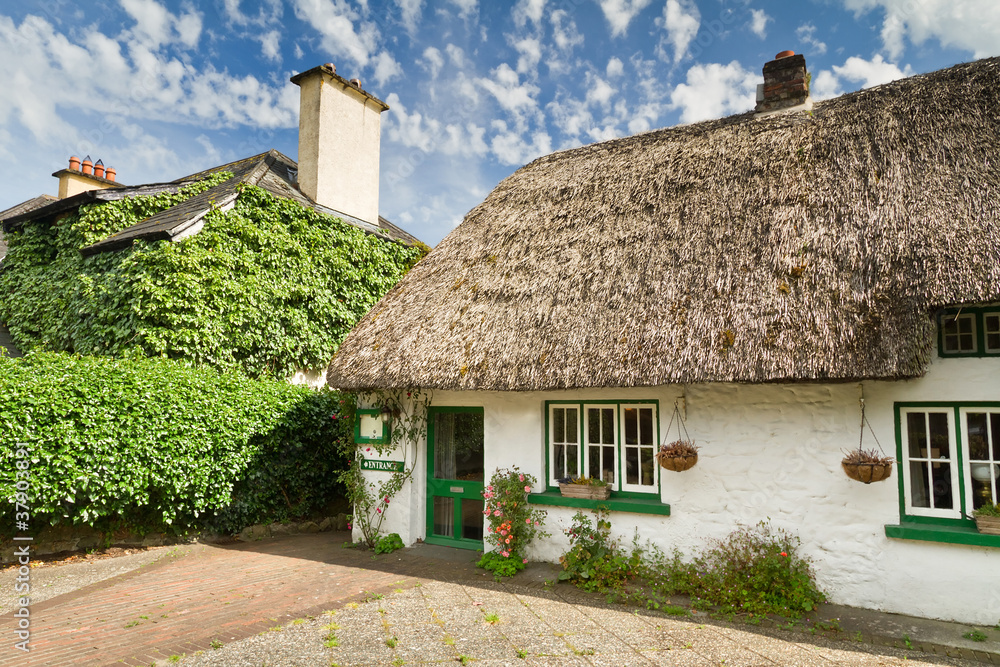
x,y
786,85
85,176
339,136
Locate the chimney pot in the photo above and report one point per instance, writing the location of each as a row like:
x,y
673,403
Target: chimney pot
x,y
110,174
99,169
74,163
332,67
784,54
356,83
88,166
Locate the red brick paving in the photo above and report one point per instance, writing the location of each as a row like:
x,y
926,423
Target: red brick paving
x,y
200,593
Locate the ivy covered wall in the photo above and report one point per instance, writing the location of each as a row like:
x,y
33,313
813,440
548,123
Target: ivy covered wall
x,y
267,287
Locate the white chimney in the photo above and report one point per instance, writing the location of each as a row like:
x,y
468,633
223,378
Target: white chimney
x,y
339,132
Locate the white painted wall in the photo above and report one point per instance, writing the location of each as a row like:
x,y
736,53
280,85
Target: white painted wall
x,y
769,451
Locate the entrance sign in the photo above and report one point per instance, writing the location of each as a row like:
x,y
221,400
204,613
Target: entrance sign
x,y
381,466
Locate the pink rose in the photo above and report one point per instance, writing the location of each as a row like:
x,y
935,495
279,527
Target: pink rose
x,y
521,477
525,561
496,512
527,489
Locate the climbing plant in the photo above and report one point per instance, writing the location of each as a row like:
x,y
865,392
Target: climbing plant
x,y
267,287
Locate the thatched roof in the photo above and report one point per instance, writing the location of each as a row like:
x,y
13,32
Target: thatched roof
x,y
785,248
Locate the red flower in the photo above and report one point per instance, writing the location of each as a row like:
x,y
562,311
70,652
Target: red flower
x,y
783,553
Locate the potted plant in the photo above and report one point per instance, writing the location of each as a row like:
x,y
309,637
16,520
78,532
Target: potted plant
x,y
584,487
867,465
988,519
679,455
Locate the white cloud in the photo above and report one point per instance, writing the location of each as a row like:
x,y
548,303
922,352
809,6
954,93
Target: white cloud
x,y
155,26
528,10
456,55
429,135
529,52
466,8
867,73
517,98
270,46
713,91
335,21
512,149
620,13
410,11
615,68
386,68
299,53
681,19
268,12
807,35
758,22
970,25
599,92
432,61
564,31
96,74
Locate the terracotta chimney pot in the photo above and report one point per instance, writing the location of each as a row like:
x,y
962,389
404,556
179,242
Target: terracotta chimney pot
x,y
110,174
99,169
784,54
88,166
74,163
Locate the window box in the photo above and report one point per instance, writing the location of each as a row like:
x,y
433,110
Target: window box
x,y
989,525
598,492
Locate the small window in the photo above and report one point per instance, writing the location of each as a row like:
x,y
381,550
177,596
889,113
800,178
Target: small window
x,y
969,332
930,471
959,334
991,327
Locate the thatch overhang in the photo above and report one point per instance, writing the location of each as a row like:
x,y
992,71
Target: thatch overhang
x,y
807,247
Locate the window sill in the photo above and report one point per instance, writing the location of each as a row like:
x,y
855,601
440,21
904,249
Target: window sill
x,y
651,505
955,534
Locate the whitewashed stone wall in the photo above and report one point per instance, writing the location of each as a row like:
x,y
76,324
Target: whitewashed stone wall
x,y
768,452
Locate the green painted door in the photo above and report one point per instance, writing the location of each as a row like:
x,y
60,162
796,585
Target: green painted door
x,y
455,477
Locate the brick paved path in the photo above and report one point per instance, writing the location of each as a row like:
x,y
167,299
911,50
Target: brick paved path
x,y
200,593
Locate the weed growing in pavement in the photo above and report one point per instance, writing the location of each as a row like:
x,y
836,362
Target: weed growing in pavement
x,y
491,618
329,627
449,640
522,654
906,640
975,635
464,659
330,640
388,543
174,658
216,644
398,662
131,624
391,642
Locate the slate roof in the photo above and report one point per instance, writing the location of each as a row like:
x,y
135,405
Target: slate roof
x,y
271,171
20,209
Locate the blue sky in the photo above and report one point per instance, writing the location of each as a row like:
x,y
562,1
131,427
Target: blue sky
x,y
163,88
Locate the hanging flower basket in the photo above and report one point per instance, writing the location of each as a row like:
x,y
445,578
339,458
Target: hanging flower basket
x,y
867,465
678,456
584,487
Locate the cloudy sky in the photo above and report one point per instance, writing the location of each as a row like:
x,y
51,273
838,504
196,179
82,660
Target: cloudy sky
x,y
163,88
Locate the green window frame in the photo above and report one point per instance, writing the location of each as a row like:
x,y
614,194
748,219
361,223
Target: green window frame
x,y
969,332
615,440
948,455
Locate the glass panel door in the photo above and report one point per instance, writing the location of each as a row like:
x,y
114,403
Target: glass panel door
x,y
455,476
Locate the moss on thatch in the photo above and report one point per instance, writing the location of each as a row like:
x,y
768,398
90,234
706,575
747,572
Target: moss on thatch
x,y
791,247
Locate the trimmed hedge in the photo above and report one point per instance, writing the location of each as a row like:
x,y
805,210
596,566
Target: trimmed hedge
x,y
154,445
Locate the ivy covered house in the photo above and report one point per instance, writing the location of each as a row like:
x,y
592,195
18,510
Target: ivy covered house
x,y
791,283
262,264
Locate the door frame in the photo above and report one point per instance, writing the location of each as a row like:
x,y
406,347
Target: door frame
x,y
435,487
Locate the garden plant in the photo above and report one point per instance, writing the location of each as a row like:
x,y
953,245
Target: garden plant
x,y
513,522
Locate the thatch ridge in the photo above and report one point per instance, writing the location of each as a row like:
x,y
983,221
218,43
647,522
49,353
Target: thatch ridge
x,y
785,248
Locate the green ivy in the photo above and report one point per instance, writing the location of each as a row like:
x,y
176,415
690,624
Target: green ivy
x,y
268,287
152,444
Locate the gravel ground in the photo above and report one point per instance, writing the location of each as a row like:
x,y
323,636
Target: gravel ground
x,y
447,623
50,579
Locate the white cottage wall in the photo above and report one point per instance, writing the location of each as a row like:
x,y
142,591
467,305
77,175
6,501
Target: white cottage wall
x,y
769,452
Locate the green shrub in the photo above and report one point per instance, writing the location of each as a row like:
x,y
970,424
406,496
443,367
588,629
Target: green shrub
x,y
151,444
595,561
388,543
